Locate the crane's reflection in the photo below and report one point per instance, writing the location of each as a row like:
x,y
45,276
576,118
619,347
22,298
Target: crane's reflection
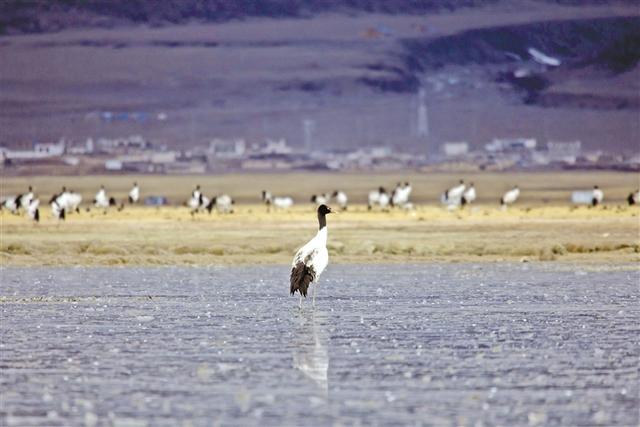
x,y
310,354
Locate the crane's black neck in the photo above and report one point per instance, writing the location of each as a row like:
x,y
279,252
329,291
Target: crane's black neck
x,y
322,221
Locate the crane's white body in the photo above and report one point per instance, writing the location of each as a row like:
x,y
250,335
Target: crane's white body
x,y
32,210
374,197
384,200
134,194
10,204
224,203
511,196
57,210
598,195
314,253
401,195
470,194
456,192
198,201
282,202
380,198
70,201
320,199
26,199
452,198
101,200
315,256
341,199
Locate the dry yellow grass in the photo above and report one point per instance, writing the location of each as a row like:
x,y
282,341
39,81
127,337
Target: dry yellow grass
x,y
170,236
542,227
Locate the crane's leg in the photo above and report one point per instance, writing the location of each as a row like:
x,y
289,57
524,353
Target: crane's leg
x,y
300,303
315,285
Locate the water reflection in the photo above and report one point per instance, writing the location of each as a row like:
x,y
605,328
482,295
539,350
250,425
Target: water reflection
x,y
310,354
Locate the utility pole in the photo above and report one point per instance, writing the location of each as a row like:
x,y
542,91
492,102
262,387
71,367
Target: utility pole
x,y
308,126
423,122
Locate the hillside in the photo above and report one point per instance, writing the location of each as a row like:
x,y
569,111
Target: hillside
x,y
355,71
20,16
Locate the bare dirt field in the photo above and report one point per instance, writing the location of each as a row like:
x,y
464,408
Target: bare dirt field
x,y
543,227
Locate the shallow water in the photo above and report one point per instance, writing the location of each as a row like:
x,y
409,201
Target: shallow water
x,y
451,344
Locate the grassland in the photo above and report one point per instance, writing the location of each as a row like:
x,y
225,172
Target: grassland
x,y
543,227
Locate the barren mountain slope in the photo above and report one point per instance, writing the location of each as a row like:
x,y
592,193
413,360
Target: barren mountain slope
x,y
355,75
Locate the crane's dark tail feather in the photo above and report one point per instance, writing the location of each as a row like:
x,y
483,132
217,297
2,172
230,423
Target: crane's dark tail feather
x,y
301,277
209,207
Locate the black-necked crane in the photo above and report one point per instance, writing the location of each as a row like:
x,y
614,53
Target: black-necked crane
x,y
311,259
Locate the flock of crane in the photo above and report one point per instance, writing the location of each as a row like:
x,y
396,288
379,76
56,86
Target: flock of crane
x,y
67,201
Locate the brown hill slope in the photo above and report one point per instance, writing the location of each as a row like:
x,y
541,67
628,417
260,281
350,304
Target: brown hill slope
x,y
356,76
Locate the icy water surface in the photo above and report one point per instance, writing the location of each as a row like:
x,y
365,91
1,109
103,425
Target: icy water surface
x,y
453,344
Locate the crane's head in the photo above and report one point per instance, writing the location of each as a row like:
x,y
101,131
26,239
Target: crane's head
x,y
324,209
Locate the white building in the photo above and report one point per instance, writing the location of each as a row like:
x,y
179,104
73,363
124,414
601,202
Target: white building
x,y
511,144
164,157
566,152
113,165
228,148
455,149
109,145
41,150
50,149
273,146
